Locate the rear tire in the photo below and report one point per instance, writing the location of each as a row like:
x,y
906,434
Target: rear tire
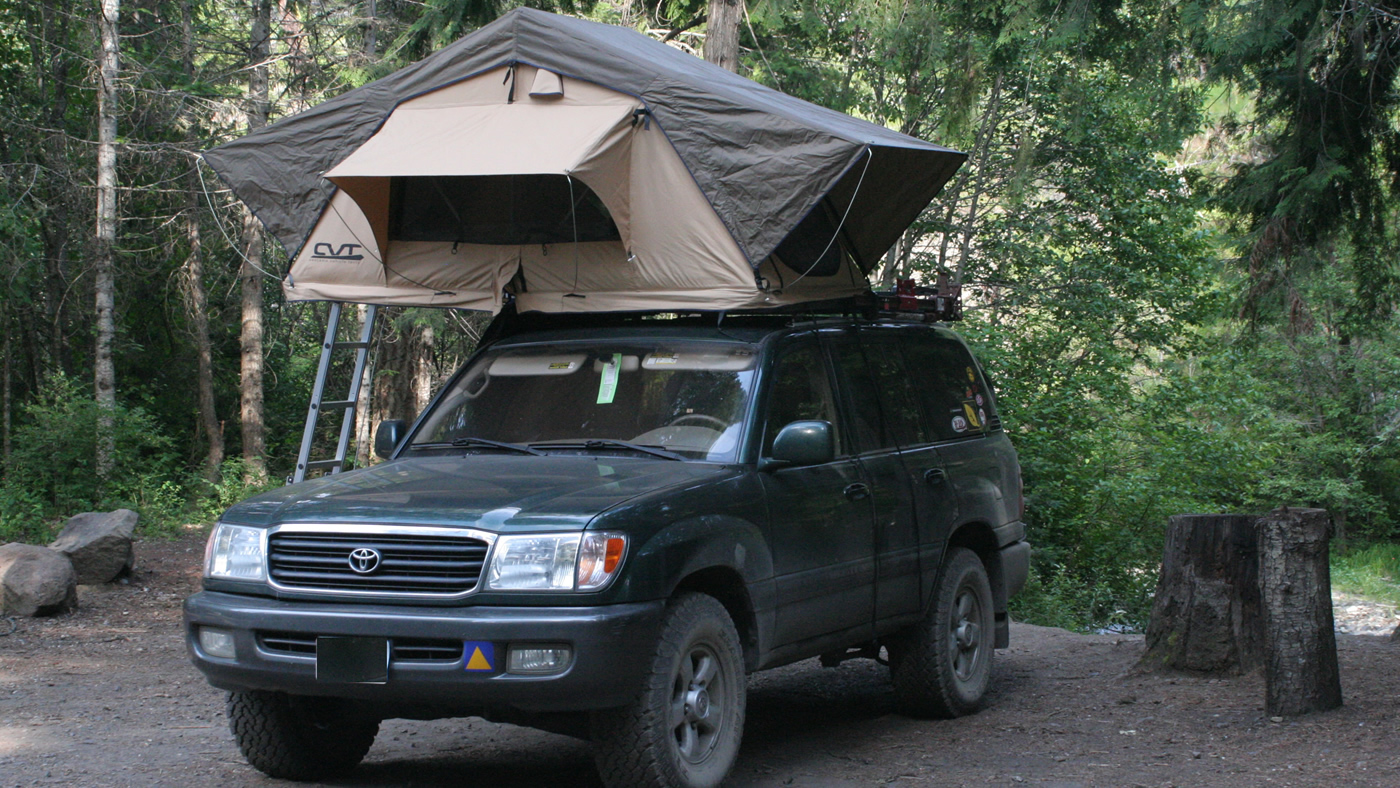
x,y
299,738
941,666
684,727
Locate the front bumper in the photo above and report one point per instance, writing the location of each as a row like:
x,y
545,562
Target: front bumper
x,y
612,649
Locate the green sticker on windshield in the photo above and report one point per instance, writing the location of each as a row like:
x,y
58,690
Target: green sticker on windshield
x,y
607,386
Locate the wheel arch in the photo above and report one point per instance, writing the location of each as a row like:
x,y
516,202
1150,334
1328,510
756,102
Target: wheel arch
x,y
727,586
981,539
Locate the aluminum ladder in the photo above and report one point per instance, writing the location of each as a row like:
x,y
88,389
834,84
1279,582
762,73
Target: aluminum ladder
x,y
347,406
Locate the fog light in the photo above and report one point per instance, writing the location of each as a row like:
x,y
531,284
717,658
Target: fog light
x,y
539,660
217,642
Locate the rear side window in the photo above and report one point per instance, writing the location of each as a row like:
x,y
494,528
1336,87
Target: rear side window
x,y
955,396
898,398
885,413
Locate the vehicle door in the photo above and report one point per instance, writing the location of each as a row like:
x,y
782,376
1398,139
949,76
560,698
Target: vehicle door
x,y
820,516
881,416
959,412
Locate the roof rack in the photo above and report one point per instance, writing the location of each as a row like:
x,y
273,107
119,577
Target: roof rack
x,y
942,302
906,301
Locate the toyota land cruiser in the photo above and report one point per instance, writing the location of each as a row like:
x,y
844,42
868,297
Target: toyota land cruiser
x,y
603,523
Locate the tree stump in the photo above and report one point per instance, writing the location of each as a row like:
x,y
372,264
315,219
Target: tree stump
x,y
1295,582
1206,612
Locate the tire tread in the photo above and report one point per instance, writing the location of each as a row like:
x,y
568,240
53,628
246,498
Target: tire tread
x,y
278,744
627,751
923,684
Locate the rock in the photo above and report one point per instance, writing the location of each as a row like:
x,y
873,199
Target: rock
x,y
36,581
98,544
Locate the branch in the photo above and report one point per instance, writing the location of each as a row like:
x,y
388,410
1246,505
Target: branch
x,y
696,22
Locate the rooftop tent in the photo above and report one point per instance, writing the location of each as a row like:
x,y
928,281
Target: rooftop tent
x,y
582,167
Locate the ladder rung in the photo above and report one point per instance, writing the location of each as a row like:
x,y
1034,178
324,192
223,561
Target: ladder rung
x,y
314,464
338,404
351,345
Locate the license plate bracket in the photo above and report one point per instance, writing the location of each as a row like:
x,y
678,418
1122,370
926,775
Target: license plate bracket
x,y
352,660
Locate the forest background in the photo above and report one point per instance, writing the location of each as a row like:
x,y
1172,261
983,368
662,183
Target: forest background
x,y
1177,234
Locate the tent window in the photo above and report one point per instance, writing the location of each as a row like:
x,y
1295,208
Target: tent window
x,y
809,248
497,209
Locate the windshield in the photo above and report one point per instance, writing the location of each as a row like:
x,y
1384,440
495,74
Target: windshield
x,y
686,398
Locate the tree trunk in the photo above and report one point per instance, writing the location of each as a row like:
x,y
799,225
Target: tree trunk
x,y
7,404
1206,612
196,297
104,372
423,368
363,443
722,33
251,362
1300,642
391,400
251,334
371,30
197,301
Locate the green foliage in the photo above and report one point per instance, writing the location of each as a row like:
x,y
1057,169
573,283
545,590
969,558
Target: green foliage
x,y
22,515
1324,163
231,489
53,457
1372,572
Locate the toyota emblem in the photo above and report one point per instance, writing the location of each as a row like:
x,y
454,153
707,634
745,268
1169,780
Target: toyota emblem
x,y
364,560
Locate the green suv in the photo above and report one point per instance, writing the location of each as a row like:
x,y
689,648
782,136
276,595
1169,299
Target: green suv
x,y
603,523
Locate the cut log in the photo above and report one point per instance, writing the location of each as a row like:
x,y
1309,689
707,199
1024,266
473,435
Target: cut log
x,y
1295,582
1206,612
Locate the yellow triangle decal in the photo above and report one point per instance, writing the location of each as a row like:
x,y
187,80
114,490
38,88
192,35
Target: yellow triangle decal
x,y
478,661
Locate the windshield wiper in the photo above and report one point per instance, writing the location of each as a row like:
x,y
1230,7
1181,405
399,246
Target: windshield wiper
x,y
608,443
480,442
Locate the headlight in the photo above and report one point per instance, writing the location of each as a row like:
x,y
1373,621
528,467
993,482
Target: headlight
x,y
236,553
556,562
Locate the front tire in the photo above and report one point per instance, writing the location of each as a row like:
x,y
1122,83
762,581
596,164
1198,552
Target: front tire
x,y
300,739
941,667
683,729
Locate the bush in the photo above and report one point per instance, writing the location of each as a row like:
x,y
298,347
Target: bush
x,y
52,464
230,490
22,515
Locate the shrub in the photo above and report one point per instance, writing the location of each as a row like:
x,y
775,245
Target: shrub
x,y
52,464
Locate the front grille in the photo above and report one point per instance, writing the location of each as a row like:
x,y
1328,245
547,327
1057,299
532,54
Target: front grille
x,y
437,564
400,649
421,650
287,643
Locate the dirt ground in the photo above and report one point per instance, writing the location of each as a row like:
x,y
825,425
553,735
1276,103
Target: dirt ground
x,y
106,696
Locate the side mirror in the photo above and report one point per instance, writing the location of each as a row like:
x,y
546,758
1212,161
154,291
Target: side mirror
x,y
388,435
803,443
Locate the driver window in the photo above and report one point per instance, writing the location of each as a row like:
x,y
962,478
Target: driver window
x,y
801,391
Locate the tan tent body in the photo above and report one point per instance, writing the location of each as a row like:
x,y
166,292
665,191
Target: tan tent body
x,y
567,193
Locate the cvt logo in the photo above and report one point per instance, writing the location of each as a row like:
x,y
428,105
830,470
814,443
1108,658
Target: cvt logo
x,y
324,251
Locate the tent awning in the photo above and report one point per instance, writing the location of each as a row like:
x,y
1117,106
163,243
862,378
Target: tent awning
x,y
506,139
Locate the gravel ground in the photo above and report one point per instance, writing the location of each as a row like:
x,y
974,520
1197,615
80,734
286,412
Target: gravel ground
x,y
106,696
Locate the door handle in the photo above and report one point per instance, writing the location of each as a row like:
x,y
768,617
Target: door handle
x,y
934,476
856,491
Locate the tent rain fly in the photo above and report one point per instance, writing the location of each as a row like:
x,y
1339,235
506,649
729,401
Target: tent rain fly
x,y
578,167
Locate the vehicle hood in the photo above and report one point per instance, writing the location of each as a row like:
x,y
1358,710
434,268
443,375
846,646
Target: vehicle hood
x,y
492,492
